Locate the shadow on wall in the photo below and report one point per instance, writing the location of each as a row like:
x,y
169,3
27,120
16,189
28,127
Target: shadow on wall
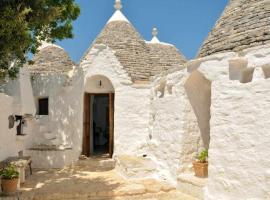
x,y
239,70
65,104
198,90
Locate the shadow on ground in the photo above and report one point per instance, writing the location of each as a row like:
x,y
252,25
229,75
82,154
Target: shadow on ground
x,y
94,180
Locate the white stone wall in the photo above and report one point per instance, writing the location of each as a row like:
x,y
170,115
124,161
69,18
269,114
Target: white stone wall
x,y
64,121
171,138
10,143
64,105
51,86
158,120
16,100
174,132
51,159
240,143
132,101
21,89
26,93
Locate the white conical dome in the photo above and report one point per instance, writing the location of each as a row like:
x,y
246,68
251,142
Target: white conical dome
x,y
118,15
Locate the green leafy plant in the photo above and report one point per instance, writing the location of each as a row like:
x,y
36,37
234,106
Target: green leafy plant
x,y
9,172
202,157
25,23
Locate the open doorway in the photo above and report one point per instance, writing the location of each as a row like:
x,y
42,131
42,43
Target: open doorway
x,y
98,124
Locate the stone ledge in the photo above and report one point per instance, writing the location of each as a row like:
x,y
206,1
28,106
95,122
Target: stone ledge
x,y
190,178
49,148
191,185
133,167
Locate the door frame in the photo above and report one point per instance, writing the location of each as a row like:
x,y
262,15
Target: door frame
x,y
86,143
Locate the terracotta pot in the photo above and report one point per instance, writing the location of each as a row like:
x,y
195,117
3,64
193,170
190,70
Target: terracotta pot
x,y
9,185
200,169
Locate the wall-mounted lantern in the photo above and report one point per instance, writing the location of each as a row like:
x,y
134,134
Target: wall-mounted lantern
x,y
100,84
21,124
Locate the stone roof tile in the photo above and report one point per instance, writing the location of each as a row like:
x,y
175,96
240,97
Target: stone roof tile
x,y
140,59
243,24
51,59
130,49
164,57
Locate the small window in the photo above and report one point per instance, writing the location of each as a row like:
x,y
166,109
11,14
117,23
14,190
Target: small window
x,y
43,106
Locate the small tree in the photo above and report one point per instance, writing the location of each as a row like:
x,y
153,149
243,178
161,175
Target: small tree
x,y
24,23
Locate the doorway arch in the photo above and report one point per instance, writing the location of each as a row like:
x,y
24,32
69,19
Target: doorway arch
x,y
98,117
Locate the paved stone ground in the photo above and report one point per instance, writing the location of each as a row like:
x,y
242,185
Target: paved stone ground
x,y
92,180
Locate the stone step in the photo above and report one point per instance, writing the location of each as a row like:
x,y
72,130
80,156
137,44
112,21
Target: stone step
x,y
133,167
97,163
191,185
107,163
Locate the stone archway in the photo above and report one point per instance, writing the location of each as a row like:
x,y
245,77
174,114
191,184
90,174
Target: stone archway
x,y
98,123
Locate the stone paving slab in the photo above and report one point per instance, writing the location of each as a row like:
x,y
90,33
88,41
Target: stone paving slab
x,y
90,180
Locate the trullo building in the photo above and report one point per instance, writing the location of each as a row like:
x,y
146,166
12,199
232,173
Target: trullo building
x,y
150,110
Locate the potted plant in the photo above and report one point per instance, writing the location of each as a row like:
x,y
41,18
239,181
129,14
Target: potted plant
x,y
9,179
200,165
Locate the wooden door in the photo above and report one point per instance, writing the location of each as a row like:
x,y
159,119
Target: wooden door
x,y
86,125
111,124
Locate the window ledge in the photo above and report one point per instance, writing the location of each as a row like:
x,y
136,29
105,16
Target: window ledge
x,y
41,116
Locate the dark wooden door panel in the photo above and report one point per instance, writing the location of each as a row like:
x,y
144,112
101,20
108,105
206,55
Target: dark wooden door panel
x,y
86,125
111,122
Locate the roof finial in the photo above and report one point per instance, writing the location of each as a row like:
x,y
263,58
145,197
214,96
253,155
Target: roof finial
x,y
118,5
155,32
118,15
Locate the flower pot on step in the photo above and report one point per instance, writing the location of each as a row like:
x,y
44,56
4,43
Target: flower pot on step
x,y
9,185
200,169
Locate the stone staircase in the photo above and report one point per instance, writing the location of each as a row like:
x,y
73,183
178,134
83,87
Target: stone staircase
x,y
191,185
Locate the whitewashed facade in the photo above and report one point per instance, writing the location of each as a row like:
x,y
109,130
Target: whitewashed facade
x,y
164,112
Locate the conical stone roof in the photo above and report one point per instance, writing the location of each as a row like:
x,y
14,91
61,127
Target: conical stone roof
x,y
51,59
139,58
130,49
243,24
164,57
142,60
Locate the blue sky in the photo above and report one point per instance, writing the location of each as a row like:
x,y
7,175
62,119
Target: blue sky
x,y
184,23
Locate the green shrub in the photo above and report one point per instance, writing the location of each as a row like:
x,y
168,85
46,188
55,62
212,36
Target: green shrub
x,y
202,157
9,172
